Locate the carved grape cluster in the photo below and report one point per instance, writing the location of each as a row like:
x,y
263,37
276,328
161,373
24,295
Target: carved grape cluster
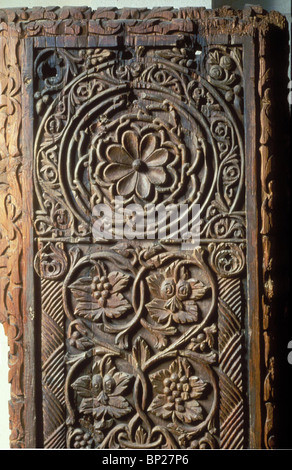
x,y
177,391
100,287
83,441
99,295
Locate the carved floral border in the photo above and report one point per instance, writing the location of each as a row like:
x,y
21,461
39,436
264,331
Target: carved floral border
x,y
11,310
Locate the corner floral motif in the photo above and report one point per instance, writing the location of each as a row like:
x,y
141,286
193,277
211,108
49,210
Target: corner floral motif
x,y
99,294
177,393
175,296
137,164
225,72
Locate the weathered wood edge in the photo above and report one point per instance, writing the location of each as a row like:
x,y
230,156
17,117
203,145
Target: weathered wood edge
x,y
112,21
253,262
274,132
12,313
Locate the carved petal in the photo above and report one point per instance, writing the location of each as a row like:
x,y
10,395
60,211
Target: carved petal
x,y
116,171
157,158
173,304
180,366
157,311
143,186
156,175
140,436
89,310
147,145
130,144
126,185
98,411
117,154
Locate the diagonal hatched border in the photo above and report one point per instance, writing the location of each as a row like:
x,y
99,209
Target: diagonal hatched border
x,y
53,367
230,339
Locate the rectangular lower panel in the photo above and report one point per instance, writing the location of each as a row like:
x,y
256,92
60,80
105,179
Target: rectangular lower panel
x,y
154,350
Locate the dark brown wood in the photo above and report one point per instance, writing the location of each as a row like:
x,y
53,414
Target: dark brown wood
x,y
253,261
138,343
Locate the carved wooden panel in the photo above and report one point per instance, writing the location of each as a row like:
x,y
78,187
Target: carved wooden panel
x,y
137,343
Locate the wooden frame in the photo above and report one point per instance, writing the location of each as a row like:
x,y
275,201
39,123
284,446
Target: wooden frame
x,y
21,32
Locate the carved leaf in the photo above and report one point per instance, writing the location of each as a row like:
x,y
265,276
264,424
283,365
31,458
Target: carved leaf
x,y
210,331
118,407
193,412
91,306
198,387
80,288
118,281
157,310
170,270
189,315
122,381
86,310
213,57
198,289
86,405
157,380
180,367
117,305
82,386
158,407
140,436
154,283
141,352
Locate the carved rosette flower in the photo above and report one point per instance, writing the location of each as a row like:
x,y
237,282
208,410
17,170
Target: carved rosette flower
x,y
177,393
99,294
101,394
175,298
136,165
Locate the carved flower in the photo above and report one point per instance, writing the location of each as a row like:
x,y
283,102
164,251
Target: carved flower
x,y
216,72
136,164
101,393
99,294
178,392
175,297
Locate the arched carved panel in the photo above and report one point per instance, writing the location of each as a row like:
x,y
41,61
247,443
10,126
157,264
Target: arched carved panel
x,y
135,342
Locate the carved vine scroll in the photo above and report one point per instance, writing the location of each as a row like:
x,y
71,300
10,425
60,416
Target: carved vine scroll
x,y
136,343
